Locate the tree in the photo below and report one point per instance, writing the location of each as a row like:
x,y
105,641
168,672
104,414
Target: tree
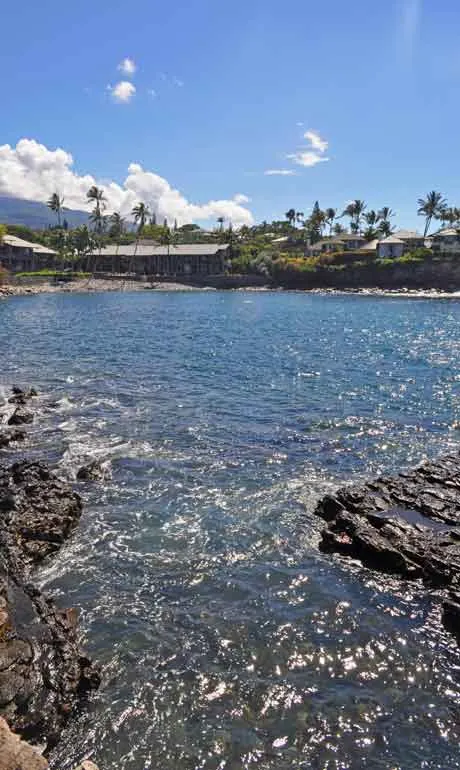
x,y
299,215
290,216
96,195
140,213
56,204
329,217
81,243
117,228
3,232
385,227
431,207
355,211
220,222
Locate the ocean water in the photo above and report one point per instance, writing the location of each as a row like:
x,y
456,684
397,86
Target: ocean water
x,y
226,640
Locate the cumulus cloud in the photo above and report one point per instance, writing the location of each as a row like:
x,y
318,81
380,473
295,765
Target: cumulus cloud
x,y
316,141
122,92
279,172
306,158
240,198
127,67
33,172
313,154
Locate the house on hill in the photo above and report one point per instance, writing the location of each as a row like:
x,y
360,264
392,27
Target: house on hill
x,y
399,243
18,255
446,241
148,258
342,242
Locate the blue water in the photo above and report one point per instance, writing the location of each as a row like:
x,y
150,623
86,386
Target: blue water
x,y
226,639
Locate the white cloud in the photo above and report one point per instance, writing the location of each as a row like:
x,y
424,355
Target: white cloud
x,y
241,199
178,82
127,67
313,154
122,92
280,172
151,92
316,141
299,123
33,172
307,158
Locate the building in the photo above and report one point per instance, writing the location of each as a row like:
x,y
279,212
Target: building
x,y
17,255
148,258
342,242
446,241
399,243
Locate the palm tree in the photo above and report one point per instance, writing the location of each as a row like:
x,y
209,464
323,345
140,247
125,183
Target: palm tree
x,y
140,213
290,216
330,215
220,222
56,204
117,228
168,237
385,228
355,211
96,195
431,207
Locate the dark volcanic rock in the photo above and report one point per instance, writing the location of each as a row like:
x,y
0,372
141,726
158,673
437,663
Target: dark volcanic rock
x,y
10,436
21,396
407,525
39,510
43,675
21,416
91,472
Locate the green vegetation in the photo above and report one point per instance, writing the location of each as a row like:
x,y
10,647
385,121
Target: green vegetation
x,y
280,250
68,274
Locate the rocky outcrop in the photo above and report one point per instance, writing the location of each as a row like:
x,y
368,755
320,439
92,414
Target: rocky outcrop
x,y
16,754
43,675
406,525
91,472
10,436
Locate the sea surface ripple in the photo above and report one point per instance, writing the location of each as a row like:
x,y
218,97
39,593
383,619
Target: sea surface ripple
x,y
226,640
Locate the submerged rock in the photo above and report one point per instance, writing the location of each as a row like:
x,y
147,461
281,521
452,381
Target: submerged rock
x,y
406,525
91,472
21,416
43,675
10,436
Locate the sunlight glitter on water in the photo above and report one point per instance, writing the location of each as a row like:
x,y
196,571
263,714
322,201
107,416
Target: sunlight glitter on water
x,y
226,639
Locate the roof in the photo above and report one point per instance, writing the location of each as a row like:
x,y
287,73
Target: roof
x,y
348,237
392,239
328,242
152,250
20,243
447,233
370,245
406,235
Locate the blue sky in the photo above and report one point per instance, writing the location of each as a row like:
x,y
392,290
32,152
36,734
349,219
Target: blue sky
x,y
378,82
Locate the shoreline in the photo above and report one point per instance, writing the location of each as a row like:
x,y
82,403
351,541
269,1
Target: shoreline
x,y
98,285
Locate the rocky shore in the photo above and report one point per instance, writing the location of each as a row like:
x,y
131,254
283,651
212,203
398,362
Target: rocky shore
x,y
406,525
44,676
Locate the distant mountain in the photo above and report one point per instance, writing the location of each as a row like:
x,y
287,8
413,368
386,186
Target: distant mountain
x,y
14,211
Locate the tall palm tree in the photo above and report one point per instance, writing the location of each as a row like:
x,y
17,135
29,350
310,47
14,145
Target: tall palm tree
x,y
96,195
355,211
117,228
220,222
290,216
330,215
431,207
140,213
56,204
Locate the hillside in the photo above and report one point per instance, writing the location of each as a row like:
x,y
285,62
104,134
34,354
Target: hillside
x,y
15,211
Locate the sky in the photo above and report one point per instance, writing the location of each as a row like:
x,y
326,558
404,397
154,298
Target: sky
x,y
244,110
